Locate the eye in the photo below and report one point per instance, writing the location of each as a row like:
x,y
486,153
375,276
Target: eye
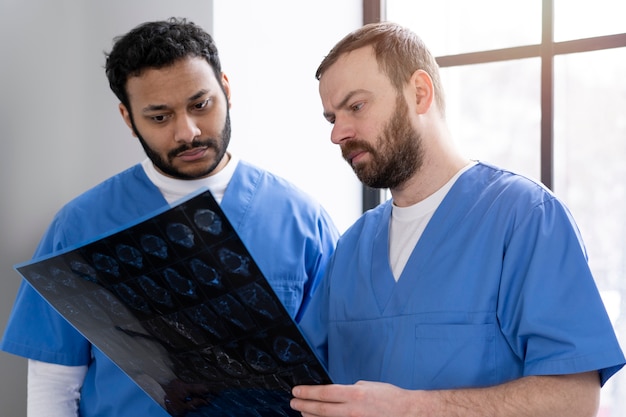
x,y
201,105
357,106
159,118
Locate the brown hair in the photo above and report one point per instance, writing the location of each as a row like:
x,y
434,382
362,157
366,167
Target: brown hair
x,y
399,53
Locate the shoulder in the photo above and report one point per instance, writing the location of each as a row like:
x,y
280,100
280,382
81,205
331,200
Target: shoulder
x,y
108,205
489,194
125,183
368,225
274,189
495,188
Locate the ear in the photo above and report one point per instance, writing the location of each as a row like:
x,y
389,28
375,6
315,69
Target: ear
x,y
126,116
226,85
423,90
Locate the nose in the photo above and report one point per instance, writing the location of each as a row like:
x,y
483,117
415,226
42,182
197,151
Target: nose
x,y
342,131
186,129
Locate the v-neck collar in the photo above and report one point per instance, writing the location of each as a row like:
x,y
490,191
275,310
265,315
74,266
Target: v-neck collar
x,y
443,222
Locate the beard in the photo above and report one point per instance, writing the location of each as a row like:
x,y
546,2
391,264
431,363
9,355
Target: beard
x,y
164,163
396,155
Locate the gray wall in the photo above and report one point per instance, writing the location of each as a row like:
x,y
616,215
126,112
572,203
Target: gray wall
x,y
61,132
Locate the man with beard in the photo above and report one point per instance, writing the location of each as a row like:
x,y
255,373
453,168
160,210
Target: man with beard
x,y
468,293
175,99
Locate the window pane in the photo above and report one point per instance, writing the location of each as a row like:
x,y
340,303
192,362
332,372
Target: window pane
x,y
577,19
457,26
494,112
590,176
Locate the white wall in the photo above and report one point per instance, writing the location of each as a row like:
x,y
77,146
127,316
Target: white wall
x,y
271,58
61,132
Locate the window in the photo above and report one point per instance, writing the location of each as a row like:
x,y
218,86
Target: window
x,y
492,112
590,176
538,87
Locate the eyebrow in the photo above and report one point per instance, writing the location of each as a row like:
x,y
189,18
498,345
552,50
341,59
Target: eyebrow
x,y
342,103
158,107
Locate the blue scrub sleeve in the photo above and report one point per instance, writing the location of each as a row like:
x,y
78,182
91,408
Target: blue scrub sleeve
x,y
550,308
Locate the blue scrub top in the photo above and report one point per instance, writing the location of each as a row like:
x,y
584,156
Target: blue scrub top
x,y
497,288
289,235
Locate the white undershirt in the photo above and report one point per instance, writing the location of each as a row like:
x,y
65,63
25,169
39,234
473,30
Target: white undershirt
x,y
408,223
175,189
54,390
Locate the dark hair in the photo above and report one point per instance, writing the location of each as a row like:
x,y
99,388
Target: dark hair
x,y
399,53
156,45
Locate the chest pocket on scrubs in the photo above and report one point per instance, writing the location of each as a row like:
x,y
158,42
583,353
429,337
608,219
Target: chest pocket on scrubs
x,y
454,355
289,290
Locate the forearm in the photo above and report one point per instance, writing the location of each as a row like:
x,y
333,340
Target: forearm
x,y
542,396
551,396
53,390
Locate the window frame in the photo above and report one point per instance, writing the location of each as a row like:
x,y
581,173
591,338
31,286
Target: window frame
x,y
547,50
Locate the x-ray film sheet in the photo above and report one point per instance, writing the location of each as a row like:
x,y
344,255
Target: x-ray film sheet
x,y
178,303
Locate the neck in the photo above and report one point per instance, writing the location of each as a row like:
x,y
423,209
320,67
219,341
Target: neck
x,y
438,167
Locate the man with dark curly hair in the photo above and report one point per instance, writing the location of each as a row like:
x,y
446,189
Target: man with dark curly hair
x,y
175,99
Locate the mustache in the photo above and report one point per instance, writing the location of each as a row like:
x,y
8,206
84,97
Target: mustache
x,y
356,145
207,143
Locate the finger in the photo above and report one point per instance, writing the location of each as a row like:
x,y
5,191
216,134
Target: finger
x,y
323,393
305,392
311,408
